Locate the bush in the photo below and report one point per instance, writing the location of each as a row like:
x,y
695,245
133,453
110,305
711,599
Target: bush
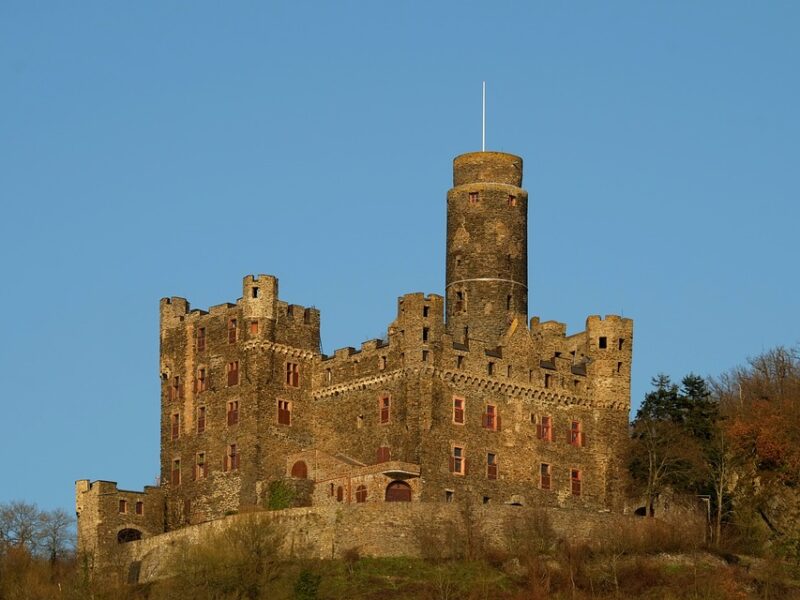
x,y
281,495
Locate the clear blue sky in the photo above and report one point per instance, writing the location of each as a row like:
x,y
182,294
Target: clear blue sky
x,y
169,148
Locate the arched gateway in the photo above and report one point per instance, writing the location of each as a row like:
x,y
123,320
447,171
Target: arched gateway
x,y
398,491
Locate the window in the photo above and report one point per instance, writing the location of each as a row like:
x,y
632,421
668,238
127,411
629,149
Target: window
x,y
382,363
621,343
232,331
384,454
176,426
491,466
547,380
384,404
140,508
508,302
458,462
328,376
201,419
233,373
575,480
253,327
340,494
512,200
200,466
460,302
331,490
508,371
231,460
576,435
473,197
359,421
292,374
284,412
176,391
361,494
201,382
544,476
254,292
425,310
424,356
459,362
490,368
619,367
544,430
176,472
201,339
458,411
448,496
425,334
300,470
603,342
491,419
233,412
123,507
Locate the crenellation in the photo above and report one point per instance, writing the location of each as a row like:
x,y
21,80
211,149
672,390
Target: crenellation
x,y
463,396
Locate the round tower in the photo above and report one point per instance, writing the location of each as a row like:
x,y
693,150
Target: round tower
x,y
487,246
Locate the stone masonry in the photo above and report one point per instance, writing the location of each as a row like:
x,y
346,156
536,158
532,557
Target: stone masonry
x,y
464,400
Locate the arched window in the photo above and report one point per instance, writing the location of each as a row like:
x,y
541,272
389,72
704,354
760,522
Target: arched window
x,y
299,470
398,491
361,493
128,535
339,494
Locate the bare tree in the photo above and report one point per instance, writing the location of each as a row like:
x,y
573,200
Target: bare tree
x,y
19,525
55,534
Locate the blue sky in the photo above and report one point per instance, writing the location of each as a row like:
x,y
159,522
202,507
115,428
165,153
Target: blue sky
x,y
156,149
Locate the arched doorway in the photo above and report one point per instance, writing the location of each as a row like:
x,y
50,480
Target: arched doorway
x,y
300,470
128,535
398,491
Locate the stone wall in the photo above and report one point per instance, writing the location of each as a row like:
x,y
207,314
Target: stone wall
x,y
399,529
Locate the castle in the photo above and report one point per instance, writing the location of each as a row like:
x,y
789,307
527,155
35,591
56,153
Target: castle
x,y
463,400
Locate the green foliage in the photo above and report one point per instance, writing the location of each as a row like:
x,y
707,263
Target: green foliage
x,y
307,585
281,495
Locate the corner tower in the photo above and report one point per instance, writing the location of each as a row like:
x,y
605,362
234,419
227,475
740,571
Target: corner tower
x,y
487,246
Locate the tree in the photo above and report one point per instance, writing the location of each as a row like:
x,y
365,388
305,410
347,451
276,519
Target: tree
x,y
19,523
55,535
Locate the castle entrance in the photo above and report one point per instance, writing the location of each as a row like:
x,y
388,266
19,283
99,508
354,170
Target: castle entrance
x,y
398,491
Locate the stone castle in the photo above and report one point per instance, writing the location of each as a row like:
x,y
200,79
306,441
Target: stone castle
x,y
464,400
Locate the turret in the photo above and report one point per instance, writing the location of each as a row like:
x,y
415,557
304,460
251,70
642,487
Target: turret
x,y
487,246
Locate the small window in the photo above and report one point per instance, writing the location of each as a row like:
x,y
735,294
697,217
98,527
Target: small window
x,y
512,200
486,499
544,431
448,496
176,426
621,343
384,454
457,460
508,371
458,411
201,419
328,376
140,508
292,374
491,466
254,292
361,494
490,368
575,434
425,334
425,310
253,327
544,476
200,466
231,462
459,362
176,390
284,412
382,363
233,373
176,472
232,331
473,197
508,302
424,356
603,342
359,421
491,420
201,339
460,305
201,383
547,380
340,494
384,404
123,507
331,490
575,480
619,367
233,412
